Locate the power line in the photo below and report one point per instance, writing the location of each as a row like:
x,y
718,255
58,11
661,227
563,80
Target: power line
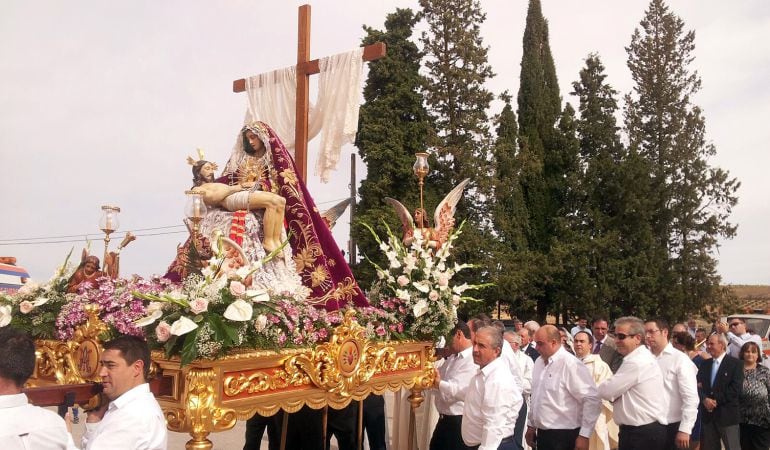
x,y
63,239
86,234
79,240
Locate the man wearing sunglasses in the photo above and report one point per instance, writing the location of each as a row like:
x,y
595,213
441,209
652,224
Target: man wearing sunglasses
x,y
639,408
737,335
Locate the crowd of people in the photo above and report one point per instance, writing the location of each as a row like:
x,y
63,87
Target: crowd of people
x,y
647,385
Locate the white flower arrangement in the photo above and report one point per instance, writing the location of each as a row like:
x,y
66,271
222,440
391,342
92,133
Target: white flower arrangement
x,y
417,284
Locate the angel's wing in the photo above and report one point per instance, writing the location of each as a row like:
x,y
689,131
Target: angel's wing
x,y
407,223
444,217
331,215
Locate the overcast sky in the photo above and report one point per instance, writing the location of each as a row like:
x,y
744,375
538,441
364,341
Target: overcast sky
x,y
102,101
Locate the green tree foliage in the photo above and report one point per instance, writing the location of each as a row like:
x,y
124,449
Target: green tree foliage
x,y
456,70
393,126
512,275
612,268
545,155
690,200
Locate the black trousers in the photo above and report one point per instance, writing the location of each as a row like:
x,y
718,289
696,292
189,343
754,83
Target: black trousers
x,y
374,421
642,437
447,435
518,429
754,437
255,429
556,439
342,424
671,430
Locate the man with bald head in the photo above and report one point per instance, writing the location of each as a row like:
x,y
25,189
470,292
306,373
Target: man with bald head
x,y
493,398
564,403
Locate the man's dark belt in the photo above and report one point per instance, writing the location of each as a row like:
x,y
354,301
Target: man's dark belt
x,y
448,416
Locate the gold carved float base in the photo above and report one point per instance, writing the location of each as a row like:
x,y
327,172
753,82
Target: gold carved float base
x,y
210,396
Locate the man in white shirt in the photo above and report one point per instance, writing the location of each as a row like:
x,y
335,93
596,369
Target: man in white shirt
x,y
132,420
679,384
564,402
507,354
493,398
24,426
737,335
582,325
525,369
639,408
452,380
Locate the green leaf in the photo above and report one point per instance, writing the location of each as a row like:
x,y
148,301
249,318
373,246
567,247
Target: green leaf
x,y
189,348
222,331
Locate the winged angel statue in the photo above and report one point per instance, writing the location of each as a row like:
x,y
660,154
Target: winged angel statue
x,y
443,218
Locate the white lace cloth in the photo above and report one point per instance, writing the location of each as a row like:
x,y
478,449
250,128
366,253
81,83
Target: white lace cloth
x,y
272,98
276,272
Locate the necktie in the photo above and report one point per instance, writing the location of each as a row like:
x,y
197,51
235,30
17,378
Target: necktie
x,y
597,347
714,369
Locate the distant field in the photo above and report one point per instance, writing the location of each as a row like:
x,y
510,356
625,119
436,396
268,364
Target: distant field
x,y
752,298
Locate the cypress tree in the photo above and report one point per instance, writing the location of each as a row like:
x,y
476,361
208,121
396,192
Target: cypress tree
x,y
540,158
393,126
691,200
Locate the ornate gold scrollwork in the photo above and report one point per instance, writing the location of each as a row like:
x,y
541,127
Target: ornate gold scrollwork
x,y
201,414
347,361
77,360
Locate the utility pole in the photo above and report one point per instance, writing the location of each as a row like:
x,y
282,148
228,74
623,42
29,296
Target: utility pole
x,y
351,240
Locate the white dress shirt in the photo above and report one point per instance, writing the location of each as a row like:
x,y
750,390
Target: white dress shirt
x,y
492,405
681,387
513,366
525,364
564,395
736,342
28,427
456,374
636,390
133,421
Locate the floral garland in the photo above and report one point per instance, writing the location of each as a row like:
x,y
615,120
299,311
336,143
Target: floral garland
x,y
220,309
35,307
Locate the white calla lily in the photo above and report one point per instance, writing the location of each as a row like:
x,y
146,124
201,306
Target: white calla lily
x,y
239,311
40,301
420,308
182,326
148,320
258,295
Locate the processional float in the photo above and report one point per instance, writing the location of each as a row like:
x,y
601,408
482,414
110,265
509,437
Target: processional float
x,y
204,393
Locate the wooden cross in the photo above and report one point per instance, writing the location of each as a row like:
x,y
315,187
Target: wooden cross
x,y
305,68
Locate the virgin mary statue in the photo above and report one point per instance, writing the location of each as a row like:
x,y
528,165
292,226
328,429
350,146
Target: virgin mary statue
x,y
313,255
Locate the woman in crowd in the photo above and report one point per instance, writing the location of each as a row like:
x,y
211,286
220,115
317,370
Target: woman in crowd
x,y
754,401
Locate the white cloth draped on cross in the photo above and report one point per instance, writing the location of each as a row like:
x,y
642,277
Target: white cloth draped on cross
x,y
272,99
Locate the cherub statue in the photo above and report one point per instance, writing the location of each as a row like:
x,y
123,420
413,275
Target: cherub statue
x,y
443,218
242,196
